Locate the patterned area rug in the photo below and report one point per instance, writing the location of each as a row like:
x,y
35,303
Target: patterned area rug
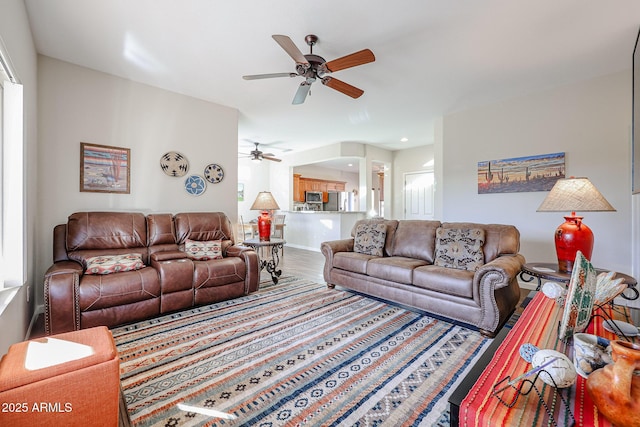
x,y
294,354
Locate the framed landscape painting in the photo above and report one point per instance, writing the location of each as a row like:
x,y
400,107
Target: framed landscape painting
x,y
520,174
104,169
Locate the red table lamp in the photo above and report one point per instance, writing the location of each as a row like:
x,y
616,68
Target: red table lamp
x,y
265,203
573,194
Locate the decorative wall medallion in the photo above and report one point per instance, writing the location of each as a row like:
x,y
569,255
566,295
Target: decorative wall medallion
x,y
214,173
195,185
174,164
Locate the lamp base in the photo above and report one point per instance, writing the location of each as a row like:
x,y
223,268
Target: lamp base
x,y
572,236
264,226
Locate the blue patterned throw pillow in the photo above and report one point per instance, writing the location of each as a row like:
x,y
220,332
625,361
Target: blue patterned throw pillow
x,y
369,239
458,248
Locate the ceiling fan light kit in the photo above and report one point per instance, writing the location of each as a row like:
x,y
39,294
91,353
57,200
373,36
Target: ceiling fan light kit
x,y
313,67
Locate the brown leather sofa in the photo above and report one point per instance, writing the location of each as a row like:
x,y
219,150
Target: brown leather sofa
x,y
168,281
406,274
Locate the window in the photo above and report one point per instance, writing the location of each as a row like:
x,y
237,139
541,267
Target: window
x,y
12,224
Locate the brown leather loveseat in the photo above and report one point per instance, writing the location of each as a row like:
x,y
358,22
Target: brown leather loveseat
x,y
465,272
112,268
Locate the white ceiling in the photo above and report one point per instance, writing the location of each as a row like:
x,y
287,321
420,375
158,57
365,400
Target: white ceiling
x,y
433,57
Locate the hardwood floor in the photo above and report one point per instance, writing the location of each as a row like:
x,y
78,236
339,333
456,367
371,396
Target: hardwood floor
x,y
301,263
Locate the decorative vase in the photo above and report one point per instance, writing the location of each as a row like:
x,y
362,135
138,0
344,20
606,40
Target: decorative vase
x,y
572,236
264,227
615,389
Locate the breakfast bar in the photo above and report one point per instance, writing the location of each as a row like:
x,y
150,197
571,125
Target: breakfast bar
x,y
308,229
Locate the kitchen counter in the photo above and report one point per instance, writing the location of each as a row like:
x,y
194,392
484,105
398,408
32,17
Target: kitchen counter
x,y
308,229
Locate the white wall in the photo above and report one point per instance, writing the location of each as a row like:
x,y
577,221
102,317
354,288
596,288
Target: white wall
x,y
16,36
77,104
589,121
255,177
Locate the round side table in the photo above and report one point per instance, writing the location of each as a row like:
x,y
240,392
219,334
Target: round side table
x,y
549,271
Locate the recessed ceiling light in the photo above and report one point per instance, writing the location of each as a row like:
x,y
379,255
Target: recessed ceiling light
x,y
404,139
350,164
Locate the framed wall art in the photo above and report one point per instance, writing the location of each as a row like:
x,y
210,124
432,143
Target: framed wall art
x,y
520,174
104,169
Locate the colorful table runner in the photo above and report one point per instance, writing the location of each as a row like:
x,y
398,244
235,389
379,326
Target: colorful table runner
x,y
543,405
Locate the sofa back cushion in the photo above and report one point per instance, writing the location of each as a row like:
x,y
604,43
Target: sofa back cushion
x,y
204,226
161,229
459,248
391,225
415,239
106,230
499,239
105,233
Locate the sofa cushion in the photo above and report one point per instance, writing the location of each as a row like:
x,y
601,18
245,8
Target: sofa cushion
x,y
415,239
203,251
97,292
395,269
459,248
446,280
352,261
108,264
106,230
370,239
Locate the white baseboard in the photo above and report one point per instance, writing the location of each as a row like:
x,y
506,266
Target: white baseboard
x,y
37,312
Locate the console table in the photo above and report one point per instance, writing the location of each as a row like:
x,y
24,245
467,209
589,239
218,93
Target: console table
x,y
481,407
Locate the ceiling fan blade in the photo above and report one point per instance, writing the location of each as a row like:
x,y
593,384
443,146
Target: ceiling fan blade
x,y
343,87
268,76
273,159
358,58
301,93
290,47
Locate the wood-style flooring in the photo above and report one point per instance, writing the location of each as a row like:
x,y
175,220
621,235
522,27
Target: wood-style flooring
x,y
301,263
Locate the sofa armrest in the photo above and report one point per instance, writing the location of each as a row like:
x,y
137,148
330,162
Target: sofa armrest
x,y
61,303
329,249
496,289
167,256
508,266
252,266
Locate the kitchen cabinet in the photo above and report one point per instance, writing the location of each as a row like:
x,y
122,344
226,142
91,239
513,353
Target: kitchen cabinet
x,y
302,184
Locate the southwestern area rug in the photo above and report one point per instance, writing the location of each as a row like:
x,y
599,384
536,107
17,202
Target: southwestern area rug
x,y
295,353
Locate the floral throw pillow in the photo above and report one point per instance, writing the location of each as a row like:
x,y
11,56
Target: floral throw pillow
x,y
203,251
107,264
369,239
459,248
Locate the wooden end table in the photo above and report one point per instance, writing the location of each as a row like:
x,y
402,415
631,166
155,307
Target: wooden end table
x,y
270,264
549,271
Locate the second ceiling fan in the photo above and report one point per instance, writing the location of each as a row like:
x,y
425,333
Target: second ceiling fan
x,y
312,67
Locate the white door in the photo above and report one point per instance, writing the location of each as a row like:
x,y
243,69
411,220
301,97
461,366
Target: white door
x,y
418,195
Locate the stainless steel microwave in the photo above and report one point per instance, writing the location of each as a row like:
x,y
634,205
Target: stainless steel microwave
x,y
313,196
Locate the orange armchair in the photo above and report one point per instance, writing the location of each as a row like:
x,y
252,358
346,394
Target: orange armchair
x,y
80,392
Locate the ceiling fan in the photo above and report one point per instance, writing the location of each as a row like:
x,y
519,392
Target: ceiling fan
x,y
257,156
312,67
